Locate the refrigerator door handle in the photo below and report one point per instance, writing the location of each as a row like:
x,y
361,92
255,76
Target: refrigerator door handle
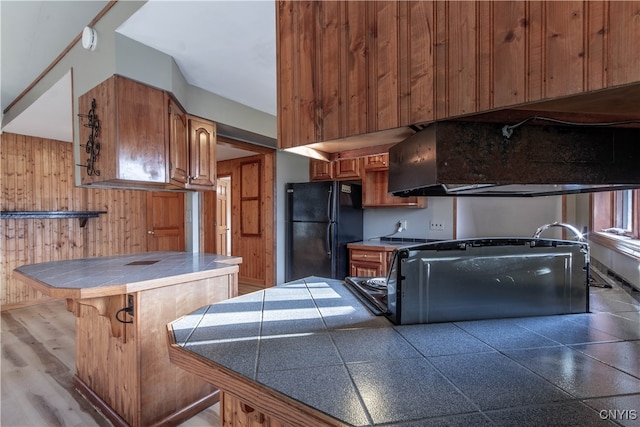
x,y
330,205
329,240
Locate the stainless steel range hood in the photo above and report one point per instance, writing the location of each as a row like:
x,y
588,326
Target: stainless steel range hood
x,y
475,159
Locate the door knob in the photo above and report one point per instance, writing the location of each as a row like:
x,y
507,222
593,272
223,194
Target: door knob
x,y
151,232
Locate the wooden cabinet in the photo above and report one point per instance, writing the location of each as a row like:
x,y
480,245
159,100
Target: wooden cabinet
x,y
130,136
122,366
376,162
341,169
202,154
367,261
374,173
192,149
178,144
375,192
375,186
320,170
348,68
347,169
144,139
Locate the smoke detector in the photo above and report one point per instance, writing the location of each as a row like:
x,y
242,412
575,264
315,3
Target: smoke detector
x,y
89,38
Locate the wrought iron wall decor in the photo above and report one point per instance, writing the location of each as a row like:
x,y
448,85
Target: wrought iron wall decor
x,y
92,147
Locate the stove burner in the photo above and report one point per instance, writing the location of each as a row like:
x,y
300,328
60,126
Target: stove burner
x,y
376,283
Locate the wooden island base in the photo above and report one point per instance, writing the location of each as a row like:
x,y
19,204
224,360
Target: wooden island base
x,y
122,363
124,368
173,419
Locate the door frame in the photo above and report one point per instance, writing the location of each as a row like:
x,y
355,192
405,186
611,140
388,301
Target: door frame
x,y
268,212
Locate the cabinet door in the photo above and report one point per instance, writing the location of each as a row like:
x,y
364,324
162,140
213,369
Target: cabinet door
x,y
347,169
178,146
367,262
131,136
202,154
141,141
375,193
377,162
320,170
366,270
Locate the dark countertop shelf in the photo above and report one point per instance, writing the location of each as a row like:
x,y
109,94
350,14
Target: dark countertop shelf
x,y
82,215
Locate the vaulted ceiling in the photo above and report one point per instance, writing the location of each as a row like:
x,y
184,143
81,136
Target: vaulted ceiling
x,y
224,47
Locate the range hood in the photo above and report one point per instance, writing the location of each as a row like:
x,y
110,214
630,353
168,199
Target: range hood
x,y
477,159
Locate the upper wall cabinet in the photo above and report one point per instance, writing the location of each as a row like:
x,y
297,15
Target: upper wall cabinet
x,y
136,136
178,143
122,134
202,154
340,170
320,170
192,149
348,68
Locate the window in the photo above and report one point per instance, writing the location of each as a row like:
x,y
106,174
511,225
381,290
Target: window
x,y
618,212
623,210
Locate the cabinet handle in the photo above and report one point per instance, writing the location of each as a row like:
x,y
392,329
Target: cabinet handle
x,y
151,232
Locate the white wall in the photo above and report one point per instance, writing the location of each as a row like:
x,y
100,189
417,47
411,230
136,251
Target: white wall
x,y
624,266
380,222
289,168
475,217
508,216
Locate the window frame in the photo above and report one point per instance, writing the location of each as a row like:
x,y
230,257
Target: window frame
x,y
603,211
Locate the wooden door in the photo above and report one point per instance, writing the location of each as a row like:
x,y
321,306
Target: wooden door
x,y
165,221
209,200
222,220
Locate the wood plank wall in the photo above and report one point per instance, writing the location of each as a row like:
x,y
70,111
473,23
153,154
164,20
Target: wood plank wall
x,y
257,250
347,68
37,174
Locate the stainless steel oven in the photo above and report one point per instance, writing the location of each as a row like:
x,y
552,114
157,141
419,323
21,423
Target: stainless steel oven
x,y
480,279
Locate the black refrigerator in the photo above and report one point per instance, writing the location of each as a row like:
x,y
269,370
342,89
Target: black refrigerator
x,y
322,217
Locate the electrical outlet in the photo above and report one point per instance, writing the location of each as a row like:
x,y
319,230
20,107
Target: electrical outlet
x,y
401,226
436,225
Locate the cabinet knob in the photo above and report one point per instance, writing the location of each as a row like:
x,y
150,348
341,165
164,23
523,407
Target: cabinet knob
x,y
151,232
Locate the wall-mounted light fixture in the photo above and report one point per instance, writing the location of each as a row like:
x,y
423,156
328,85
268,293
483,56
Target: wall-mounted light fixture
x,y
89,38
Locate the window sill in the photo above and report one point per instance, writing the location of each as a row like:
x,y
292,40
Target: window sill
x,y
621,244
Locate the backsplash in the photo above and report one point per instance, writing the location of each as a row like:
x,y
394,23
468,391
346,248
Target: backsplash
x,y
381,222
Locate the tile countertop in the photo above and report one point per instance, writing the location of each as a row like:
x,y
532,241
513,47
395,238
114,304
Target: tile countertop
x,y
114,275
313,341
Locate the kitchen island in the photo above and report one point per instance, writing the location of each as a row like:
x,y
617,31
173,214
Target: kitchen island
x,y
122,305
308,353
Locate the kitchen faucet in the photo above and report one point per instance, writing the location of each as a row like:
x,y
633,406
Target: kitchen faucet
x,y
569,227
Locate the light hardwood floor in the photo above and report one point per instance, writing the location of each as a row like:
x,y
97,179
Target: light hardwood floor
x,y
38,362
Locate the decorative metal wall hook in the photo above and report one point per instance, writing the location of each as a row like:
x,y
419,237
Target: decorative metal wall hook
x,y
92,147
